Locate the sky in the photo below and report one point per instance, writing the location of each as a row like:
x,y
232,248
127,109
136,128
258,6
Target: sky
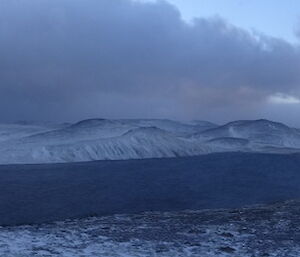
x,y
68,60
274,18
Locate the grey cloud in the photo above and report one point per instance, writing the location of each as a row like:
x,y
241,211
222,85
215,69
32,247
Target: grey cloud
x,y
297,29
72,59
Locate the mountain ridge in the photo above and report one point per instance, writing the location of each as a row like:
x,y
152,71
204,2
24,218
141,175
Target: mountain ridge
x,y
121,139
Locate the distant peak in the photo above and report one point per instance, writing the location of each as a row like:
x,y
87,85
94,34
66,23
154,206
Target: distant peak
x,y
263,120
266,121
145,130
253,122
92,122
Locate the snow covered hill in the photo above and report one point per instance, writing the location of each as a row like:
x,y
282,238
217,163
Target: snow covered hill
x,y
260,132
21,129
103,139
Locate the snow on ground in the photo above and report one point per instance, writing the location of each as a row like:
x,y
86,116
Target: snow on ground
x,y
255,231
101,139
20,130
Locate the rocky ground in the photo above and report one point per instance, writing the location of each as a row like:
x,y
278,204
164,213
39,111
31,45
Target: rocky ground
x,y
255,231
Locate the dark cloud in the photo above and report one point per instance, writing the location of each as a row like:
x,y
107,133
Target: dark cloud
x,y
73,59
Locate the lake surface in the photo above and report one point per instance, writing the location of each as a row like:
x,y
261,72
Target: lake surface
x,y
43,193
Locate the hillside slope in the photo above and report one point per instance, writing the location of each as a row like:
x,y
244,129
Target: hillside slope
x,y
102,139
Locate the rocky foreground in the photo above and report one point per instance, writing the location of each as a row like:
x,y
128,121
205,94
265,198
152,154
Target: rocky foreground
x,y
255,231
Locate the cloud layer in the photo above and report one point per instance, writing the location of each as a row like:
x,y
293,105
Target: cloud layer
x,y
73,59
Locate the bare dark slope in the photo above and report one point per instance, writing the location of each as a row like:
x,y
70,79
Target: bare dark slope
x,y
41,193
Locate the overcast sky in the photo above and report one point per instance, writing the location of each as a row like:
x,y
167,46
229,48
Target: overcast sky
x,y
275,18
67,60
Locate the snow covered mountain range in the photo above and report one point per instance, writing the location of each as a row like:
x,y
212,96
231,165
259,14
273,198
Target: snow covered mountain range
x,y
103,139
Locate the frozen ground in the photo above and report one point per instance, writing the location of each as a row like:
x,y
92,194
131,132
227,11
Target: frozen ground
x,y
255,232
